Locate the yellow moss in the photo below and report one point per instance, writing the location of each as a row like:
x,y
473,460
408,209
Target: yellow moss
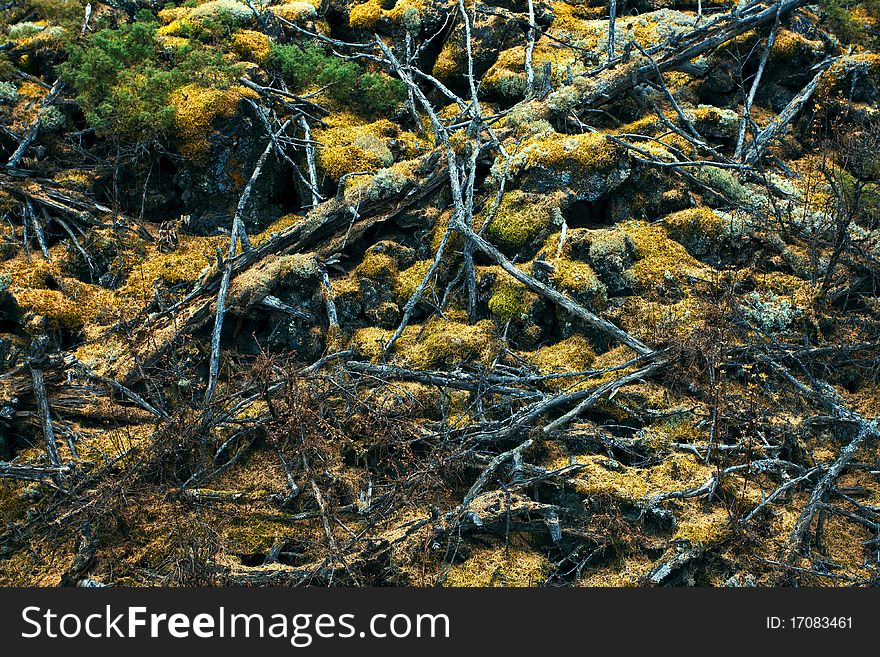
x,y
579,278
295,11
107,444
437,343
704,528
839,74
52,36
575,153
844,541
446,342
377,265
682,430
569,17
78,179
192,258
658,257
252,45
659,322
648,125
627,573
585,27
35,566
694,222
410,278
278,226
507,75
172,29
256,282
249,535
29,273
58,311
573,354
799,292
500,567
25,111
367,14
368,342
604,476
448,61
197,108
348,145
12,506
788,45
387,181
172,14
99,353
172,42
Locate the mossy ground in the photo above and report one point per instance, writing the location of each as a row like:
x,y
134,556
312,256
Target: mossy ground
x,y
711,266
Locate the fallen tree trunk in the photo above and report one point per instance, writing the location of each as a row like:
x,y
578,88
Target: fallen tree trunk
x,y
31,472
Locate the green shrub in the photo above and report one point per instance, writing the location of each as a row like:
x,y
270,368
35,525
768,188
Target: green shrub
x,y
843,18
123,79
66,13
120,83
370,93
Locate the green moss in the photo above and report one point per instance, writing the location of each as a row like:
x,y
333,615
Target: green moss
x,y
723,182
123,79
508,298
521,218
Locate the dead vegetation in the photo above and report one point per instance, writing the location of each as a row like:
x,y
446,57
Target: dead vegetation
x,y
567,301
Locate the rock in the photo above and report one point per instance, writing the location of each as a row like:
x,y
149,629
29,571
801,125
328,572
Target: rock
x,y
210,188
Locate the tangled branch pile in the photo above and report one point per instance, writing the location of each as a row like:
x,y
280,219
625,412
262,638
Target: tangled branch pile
x,y
440,292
